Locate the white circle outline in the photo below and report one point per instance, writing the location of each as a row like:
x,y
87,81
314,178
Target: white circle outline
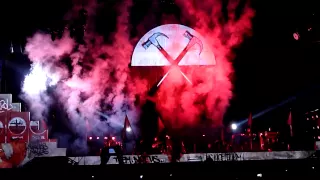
x,y
20,119
35,132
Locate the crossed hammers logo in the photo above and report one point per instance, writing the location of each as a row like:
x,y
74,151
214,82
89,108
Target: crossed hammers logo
x,y
152,40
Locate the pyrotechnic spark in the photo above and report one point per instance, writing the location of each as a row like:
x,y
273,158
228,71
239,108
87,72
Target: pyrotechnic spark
x,y
38,80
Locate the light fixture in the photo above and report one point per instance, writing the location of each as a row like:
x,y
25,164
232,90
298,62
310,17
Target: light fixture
x,y
128,129
234,126
296,36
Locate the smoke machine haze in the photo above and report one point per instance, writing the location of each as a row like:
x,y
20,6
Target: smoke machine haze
x,y
209,95
100,81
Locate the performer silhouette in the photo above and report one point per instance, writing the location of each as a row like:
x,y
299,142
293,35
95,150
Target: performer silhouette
x,y
105,152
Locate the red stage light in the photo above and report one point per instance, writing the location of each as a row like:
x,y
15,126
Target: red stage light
x,y
296,36
203,135
105,138
90,138
113,138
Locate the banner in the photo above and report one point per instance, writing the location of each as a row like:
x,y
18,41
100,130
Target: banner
x,y
20,153
3,128
246,156
138,159
38,131
18,123
200,157
127,159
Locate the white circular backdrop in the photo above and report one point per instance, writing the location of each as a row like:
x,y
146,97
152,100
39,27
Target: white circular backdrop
x,y
174,46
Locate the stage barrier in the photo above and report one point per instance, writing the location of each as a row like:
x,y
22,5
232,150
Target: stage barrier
x,y
17,154
199,157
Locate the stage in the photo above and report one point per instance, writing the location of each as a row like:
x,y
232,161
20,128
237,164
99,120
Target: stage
x,y
233,165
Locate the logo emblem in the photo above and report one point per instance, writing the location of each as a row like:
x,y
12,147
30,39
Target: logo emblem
x,y
17,126
37,127
172,45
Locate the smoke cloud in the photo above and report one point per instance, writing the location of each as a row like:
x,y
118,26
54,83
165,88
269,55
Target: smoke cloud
x,y
224,26
97,84
46,71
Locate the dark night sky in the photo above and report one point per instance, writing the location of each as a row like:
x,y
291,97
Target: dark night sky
x,y
270,66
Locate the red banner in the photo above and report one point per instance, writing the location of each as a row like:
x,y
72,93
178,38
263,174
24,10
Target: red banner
x,y
17,126
3,117
38,131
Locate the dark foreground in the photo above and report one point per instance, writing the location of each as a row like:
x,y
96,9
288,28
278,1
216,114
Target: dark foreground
x,y
59,169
